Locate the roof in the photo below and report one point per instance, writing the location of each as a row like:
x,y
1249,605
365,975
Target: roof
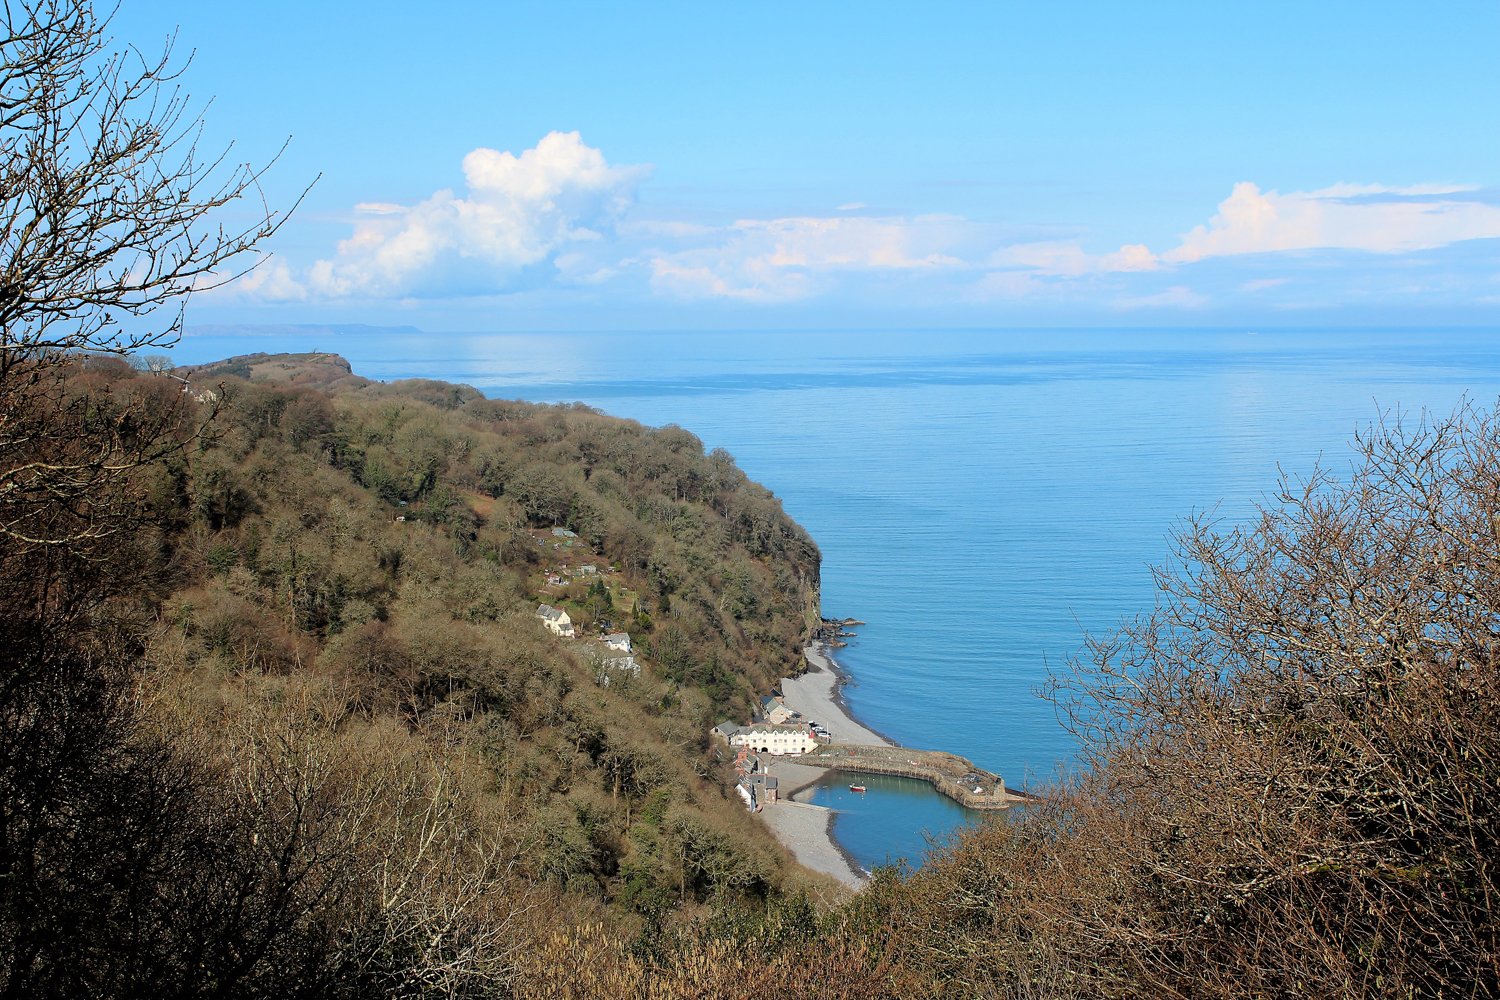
x,y
617,637
550,613
726,728
769,700
564,533
771,728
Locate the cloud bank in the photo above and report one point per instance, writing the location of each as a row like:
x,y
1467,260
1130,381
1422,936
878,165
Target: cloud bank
x,y
1367,217
776,260
560,218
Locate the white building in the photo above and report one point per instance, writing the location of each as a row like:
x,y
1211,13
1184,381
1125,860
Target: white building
x,y
618,640
776,740
556,620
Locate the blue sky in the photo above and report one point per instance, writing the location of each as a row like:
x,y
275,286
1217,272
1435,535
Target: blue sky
x,y
539,166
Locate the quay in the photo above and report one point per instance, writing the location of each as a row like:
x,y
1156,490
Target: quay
x,y
956,777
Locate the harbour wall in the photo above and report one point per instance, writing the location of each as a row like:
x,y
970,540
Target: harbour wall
x,y
951,775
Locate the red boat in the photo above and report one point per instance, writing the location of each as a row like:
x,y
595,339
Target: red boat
x,y
856,788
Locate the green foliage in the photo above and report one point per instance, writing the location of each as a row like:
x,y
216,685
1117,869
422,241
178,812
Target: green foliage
x,y
222,558
383,737
294,503
642,890
656,806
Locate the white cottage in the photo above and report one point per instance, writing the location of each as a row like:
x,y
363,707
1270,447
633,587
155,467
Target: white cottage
x,y
556,620
615,666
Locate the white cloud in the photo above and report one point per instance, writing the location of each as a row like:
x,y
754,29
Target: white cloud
x,y
780,259
1131,257
666,227
1368,217
271,280
519,212
1344,190
560,214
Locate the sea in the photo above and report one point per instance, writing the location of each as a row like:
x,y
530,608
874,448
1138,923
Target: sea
x,y
984,500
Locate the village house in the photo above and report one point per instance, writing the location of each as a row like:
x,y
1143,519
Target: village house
x,y
776,740
556,620
774,711
763,788
618,640
725,730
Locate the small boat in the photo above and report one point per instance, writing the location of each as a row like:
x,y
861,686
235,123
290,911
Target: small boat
x,y
856,788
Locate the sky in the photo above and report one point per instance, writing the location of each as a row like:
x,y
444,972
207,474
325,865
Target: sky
x,y
497,166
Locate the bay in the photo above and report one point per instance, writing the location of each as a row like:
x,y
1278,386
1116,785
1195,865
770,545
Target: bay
x,y
894,820
982,498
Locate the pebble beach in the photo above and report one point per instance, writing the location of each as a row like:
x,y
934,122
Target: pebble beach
x,y
806,830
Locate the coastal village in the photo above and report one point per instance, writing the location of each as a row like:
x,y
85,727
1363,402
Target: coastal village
x,y
781,750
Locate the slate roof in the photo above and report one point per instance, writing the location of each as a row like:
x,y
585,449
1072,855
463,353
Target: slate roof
x,y
772,728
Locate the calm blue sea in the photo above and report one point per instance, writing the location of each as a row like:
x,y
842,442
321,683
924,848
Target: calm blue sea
x,y
981,498
891,820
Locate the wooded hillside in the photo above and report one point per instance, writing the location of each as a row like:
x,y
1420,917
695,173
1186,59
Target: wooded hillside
x,y
261,737
315,635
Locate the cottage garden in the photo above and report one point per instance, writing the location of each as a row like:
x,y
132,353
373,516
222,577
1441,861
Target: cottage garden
x,y
589,595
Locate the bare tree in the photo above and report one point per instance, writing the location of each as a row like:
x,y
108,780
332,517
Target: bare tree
x,y
1298,748
105,199
1289,764
104,192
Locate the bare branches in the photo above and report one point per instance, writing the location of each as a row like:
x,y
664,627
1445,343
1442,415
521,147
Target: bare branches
x,y
1291,761
1310,725
104,191
71,444
105,231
